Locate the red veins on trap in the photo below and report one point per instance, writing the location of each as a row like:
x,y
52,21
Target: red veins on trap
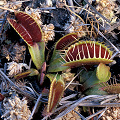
x,y
86,53
26,27
56,92
66,41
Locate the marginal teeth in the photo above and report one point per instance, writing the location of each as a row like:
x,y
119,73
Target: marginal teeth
x,y
94,50
73,48
108,55
88,51
91,44
105,53
71,56
78,53
63,58
83,52
68,56
100,51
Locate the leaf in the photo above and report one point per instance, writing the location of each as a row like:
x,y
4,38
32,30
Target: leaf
x,y
95,91
26,27
111,88
52,76
91,81
20,29
56,60
103,72
37,54
42,73
31,33
56,92
92,78
66,41
57,65
84,75
30,72
87,53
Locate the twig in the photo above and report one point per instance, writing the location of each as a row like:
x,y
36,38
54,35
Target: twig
x,y
113,27
81,116
77,16
97,11
91,116
70,3
7,9
92,104
58,109
107,40
74,105
66,98
73,79
4,20
34,109
102,113
16,87
3,81
47,8
88,101
111,98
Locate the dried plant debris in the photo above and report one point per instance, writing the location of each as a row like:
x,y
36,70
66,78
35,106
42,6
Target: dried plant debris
x,y
71,115
76,26
21,84
48,32
72,64
67,75
107,8
15,52
18,52
111,114
6,53
15,109
15,68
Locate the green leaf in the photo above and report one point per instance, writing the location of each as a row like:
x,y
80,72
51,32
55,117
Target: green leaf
x,y
57,65
37,54
52,76
30,72
95,91
99,75
84,75
91,81
103,72
26,26
56,62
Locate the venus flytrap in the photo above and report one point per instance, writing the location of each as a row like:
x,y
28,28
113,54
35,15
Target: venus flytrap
x,y
68,53
56,62
56,92
31,33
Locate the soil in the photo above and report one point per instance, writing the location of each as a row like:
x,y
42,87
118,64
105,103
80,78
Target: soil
x,y
57,19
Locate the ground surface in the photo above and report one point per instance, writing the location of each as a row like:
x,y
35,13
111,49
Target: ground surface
x,y
26,98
